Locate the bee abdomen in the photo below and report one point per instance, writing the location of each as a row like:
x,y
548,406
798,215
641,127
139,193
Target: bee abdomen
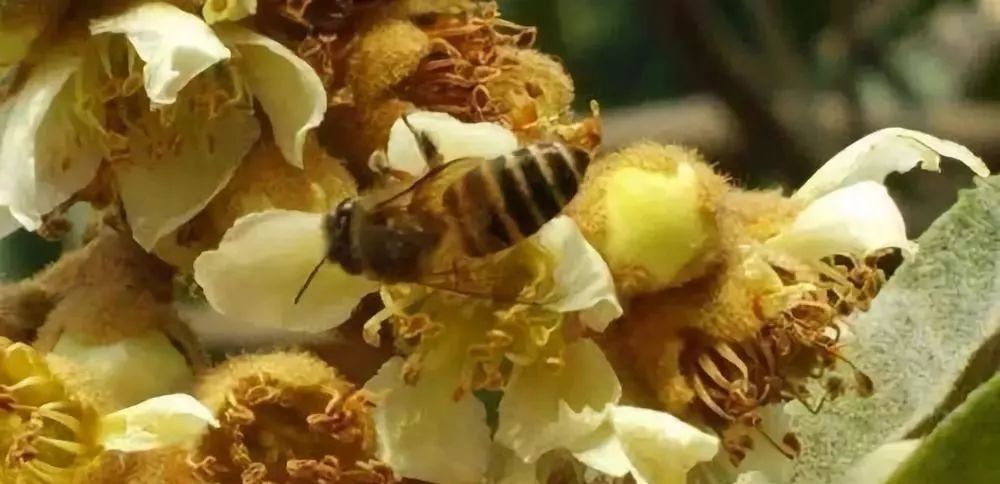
x,y
510,197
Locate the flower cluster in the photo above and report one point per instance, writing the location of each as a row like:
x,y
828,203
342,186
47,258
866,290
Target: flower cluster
x,y
662,321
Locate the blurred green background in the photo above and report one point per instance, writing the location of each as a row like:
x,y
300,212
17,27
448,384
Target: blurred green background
x,y
766,89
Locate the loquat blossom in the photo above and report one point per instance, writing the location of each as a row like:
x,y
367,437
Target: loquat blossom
x,y
252,245
52,434
149,99
731,344
286,416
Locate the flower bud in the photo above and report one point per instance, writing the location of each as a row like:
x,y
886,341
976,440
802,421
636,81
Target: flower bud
x,y
386,55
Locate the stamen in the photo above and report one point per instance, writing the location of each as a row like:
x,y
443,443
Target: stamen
x,y
74,448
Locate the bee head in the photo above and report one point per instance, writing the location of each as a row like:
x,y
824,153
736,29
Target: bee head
x,y
338,226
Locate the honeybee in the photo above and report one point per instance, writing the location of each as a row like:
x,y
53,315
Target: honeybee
x,y
473,206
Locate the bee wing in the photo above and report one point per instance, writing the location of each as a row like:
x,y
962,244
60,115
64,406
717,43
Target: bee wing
x,y
425,195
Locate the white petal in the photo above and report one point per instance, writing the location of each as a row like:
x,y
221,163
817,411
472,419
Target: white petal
x,y
229,10
603,452
422,432
764,458
855,219
46,153
291,93
175,170
176,419
219,333
660,447
452,138
8,224
542,410
261,264
175,45
124,367
583,280
880,153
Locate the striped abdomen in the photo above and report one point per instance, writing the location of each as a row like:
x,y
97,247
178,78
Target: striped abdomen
x,y
510,197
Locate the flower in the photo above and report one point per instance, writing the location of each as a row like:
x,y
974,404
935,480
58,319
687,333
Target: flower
x,y
286,416
87,125
454,57
578,409
431,426
748,334
251,245
51,433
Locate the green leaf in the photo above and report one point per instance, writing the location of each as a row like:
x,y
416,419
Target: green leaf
x,y
925,333
964,448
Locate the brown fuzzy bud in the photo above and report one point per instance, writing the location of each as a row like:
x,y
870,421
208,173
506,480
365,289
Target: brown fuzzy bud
x,y
23,308
534,85
113,320
386,55
354,133
286,416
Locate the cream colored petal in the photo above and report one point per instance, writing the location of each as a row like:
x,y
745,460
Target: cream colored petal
x,y
175,45
124,368
262,262
219,333
660,447
543,410
885,151
764,458
291,93
176,169
855,219
452,138
602,451
47,154
228,10
8,224
176,419
583,280
423,433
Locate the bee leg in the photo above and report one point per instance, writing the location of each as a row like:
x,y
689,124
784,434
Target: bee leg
x,y
429,150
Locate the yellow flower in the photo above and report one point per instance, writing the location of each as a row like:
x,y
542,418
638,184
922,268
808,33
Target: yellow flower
x,y
152,99
49,434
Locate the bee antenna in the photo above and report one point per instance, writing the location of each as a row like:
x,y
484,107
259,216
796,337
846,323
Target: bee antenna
x,y
430,152
309,279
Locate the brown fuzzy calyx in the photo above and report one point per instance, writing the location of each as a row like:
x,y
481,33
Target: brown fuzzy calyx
x,y
286,417
463,59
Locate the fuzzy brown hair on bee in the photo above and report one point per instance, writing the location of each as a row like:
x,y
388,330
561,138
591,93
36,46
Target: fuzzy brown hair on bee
x,y
469,207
